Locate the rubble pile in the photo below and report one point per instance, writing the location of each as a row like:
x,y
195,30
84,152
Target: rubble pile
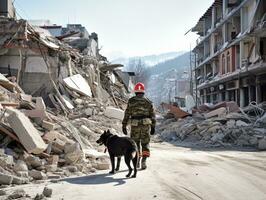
x,y
50,132
219,127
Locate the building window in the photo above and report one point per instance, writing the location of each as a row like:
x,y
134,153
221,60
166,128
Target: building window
x,y
223,64
228,61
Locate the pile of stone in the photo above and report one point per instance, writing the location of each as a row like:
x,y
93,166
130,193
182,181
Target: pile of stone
x,y
225,129
38,143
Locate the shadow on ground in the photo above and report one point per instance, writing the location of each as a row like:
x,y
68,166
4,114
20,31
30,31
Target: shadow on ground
x,y
97,179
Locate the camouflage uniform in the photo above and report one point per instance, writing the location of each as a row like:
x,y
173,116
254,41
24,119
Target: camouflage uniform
x,y
140,115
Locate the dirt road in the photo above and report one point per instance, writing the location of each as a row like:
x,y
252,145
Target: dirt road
x,y
175,173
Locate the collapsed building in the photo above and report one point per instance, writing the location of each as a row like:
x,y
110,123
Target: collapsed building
x,y
57,95
231,51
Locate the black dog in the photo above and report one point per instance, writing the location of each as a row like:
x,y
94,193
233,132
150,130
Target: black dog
x,y
118,147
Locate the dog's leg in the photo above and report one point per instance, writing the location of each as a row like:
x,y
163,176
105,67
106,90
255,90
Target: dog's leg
x,y
118,164
128,158
112,158
135,163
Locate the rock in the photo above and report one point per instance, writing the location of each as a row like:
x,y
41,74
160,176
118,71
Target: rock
x,y
214,129
73,153
2,152
22,174
26,132
217,137
34,161
71,169
40,105
185,130
85,130
17,194
6,161
103,166
262,144
3,193
240,123
231,123
89,111
254,141
20,166
47,192
39,197
48,125
112,112
5,179
218,112
37,175
78,101
50,168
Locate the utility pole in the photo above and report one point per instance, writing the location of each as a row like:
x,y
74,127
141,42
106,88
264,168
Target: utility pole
x,y
191,72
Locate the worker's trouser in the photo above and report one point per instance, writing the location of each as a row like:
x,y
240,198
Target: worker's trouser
x,y
141,135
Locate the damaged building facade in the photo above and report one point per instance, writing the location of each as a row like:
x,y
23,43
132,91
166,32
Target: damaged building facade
x,y
231,52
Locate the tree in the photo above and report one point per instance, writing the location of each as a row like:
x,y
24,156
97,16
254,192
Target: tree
x,y
140,69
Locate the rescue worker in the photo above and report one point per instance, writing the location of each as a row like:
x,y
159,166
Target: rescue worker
x,y
141,117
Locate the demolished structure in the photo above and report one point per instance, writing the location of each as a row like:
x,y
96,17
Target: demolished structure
x,y
231,51
230,80
57,95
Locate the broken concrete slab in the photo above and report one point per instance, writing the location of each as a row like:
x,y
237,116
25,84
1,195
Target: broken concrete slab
x,y
73,153
37,175
67,102
20,166
20,180
26,132
85,130
5,179
41,114
112,112
40,105
240,123
78,84
216,113
33,161
48,125
26,97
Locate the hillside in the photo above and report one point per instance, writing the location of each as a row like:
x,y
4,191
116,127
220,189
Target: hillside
x,y
180,62
149,60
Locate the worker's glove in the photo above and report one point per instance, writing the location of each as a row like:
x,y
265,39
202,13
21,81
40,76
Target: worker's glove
x,y
124,128
152,130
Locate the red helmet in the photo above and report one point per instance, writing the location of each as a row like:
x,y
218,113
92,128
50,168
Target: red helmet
x,y
139,88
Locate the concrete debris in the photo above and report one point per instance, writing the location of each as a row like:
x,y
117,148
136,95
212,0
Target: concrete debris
x,y
217,127
78,84
26,132
3,193
5,179
53,112
216,113
17,194
47,192
37,175
39,197
114,113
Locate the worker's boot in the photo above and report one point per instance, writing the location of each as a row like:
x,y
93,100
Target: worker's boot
x,y
143,163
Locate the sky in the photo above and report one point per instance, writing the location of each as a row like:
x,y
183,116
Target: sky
x,y
125,28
